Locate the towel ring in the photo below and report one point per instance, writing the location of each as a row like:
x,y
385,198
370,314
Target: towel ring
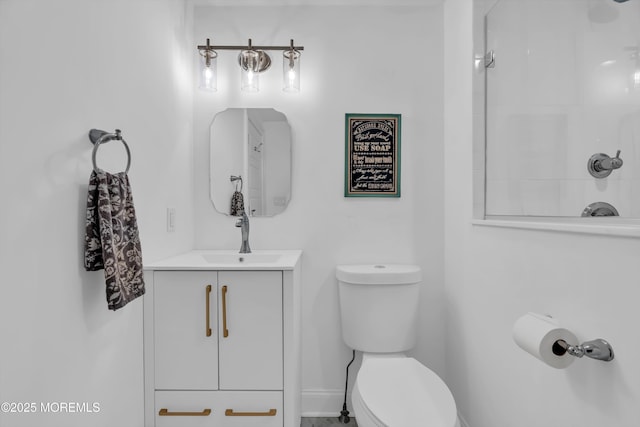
x,y
99,136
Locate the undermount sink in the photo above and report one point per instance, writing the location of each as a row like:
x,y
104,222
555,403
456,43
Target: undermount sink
x,y
252,258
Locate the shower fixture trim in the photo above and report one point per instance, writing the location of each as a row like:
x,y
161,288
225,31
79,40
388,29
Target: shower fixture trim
x,y
601,165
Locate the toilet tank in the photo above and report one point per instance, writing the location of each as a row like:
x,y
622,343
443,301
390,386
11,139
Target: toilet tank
x,y
379,306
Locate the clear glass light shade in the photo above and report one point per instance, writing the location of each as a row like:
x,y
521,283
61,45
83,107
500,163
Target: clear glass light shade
x,y
249,72
208,71
291,71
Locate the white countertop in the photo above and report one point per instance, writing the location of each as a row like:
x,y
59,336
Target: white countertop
x,y
229,260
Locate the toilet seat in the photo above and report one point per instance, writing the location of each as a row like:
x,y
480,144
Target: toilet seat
x,y
401,392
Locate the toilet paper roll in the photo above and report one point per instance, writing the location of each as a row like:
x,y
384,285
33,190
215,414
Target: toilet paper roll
x,y
536,334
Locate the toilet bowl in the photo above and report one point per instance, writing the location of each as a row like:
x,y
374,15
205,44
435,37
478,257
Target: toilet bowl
x,y
401,392
379,311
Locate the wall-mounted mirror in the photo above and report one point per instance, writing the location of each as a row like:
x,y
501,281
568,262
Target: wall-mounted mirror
x,y
250,163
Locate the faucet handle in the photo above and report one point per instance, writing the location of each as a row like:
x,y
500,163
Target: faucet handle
x,y
600,165
616,162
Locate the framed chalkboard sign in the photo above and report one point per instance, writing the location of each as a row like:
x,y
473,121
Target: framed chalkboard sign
x,y
372,155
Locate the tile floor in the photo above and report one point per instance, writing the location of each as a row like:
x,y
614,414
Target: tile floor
x,y
326,422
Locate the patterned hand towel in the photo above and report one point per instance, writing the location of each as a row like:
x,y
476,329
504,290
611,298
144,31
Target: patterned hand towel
x,y
237,204
111,240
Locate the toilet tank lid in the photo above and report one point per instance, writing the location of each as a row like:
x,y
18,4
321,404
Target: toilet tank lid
x,y
379,274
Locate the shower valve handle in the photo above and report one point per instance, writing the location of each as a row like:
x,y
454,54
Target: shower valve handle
x,y
609,163
616,162
600,165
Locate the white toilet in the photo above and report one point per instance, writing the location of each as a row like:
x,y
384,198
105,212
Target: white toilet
x,y
379,310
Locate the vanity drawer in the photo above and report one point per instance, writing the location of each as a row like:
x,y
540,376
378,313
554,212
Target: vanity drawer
x,y
218,408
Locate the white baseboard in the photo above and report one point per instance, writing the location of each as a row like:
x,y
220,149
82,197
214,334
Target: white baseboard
x,y
323,403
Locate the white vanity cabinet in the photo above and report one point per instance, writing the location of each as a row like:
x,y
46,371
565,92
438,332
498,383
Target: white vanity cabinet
x,y
185,348
222,346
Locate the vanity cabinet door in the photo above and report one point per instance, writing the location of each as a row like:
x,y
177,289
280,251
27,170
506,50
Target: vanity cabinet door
x,y
250,330
185,336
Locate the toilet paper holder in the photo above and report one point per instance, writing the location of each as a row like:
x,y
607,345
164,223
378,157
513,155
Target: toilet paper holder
x,y
598,349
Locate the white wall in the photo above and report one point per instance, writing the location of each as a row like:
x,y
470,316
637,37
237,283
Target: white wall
x,y
495,275
356,60
66,67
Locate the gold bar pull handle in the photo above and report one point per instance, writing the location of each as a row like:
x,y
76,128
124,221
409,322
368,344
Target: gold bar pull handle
x,y
208,311
231,413
164,412
225,331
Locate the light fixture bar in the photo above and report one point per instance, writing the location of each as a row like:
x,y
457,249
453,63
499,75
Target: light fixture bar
x,y
244,47
253,60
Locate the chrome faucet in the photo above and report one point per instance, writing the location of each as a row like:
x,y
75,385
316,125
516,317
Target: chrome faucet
x,y
243,223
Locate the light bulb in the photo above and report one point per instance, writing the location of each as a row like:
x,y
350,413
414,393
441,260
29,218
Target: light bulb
x,y
208,76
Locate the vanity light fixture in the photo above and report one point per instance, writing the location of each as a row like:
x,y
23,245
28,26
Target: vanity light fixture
x,y
252,60
208,68
291,69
